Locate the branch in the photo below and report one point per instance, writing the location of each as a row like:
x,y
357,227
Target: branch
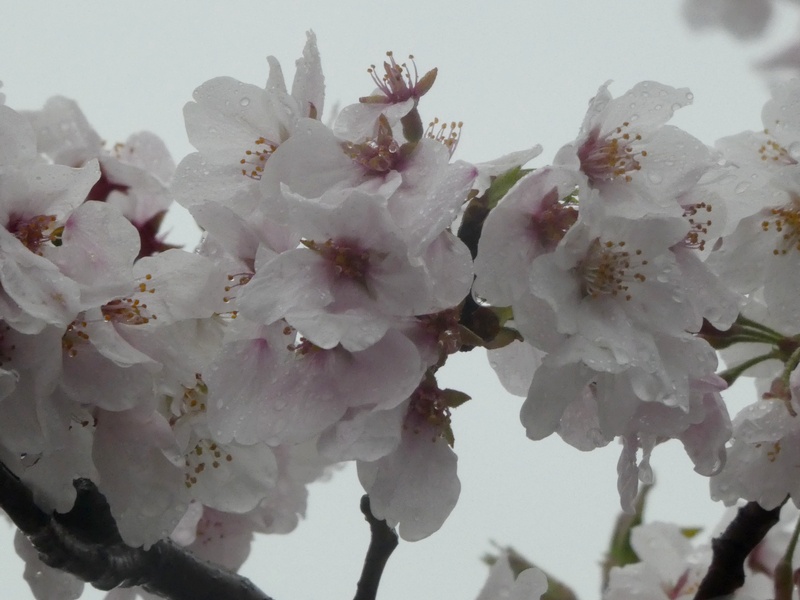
x,y
381,545
86,543
726,573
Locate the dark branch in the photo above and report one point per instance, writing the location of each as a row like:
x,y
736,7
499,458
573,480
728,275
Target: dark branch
x,y
86,543
382,543
726,573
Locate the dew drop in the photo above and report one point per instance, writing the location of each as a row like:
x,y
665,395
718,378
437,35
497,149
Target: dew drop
x,y
244,101
655,178
742,186
689,96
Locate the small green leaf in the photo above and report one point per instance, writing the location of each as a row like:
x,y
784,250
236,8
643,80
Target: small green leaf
x,y
502,183
454,398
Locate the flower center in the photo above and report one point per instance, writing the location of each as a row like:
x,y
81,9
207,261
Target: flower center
x,y
786,222
36,231
397,84
612,156
347,260
379,154
554,218
130,310
608,269
698,225
429,407
255,159
772,151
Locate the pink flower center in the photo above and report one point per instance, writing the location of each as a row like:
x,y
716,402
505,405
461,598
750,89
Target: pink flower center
x,y
429,409
612,156
347,260
379,154
553,219
608,269
36,231
397,84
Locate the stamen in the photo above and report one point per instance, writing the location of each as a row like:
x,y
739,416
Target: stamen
x,y
74,337
772,151
449,139
36,231
257,158
698,226
347,260
786,222
130,310
612,156
607,270
381,153
397,83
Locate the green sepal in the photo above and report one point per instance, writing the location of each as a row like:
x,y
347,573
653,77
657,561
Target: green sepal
x,y
454,398
690,532
504,337
501,184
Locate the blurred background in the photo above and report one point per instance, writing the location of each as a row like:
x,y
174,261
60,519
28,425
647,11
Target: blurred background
x,y
517,74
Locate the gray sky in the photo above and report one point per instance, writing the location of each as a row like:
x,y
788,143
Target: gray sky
x,y
516,73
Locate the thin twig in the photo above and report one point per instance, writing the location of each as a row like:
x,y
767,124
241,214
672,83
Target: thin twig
x,y
382,543
86,543
745,532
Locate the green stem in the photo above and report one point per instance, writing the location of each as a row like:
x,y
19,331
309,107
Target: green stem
x,y
732,374
749,323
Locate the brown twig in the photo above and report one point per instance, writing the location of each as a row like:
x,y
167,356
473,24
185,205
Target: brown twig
x,y
382,543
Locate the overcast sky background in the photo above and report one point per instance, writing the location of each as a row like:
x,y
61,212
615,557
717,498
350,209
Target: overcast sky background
x,y
517,74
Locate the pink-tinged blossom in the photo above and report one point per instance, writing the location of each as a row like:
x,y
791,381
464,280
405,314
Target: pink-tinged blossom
x,y
671,568
155,338
415,487
425,192
237,126
144,489
530,220
352,279
133,175
279,389
762,462
626,150
501,584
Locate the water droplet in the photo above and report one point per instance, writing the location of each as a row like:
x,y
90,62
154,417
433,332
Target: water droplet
x,y
655,178
676,106
659,106
742,186
244,101
689,96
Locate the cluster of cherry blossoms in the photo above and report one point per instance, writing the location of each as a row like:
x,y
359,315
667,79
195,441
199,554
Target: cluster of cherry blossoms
x,y
343,260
